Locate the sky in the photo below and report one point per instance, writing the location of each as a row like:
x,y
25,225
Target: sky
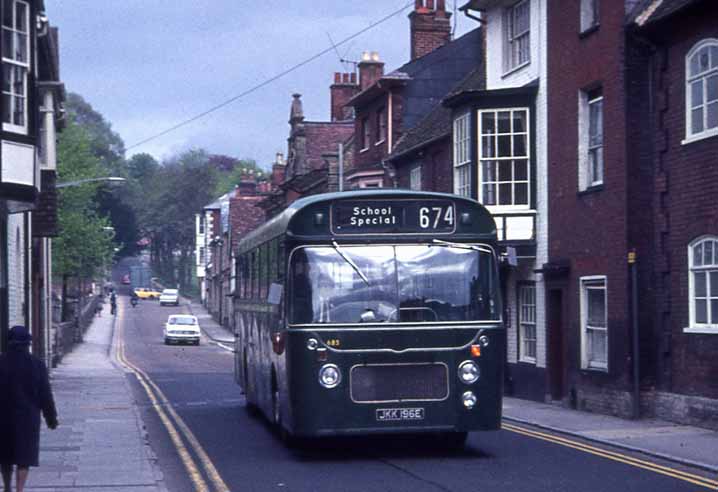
x,y
147,65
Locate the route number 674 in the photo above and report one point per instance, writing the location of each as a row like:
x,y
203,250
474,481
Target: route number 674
x,y
436,217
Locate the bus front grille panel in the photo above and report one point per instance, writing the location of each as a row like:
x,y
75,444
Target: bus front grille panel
x,y
387,383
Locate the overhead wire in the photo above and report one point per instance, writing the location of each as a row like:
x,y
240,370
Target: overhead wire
x,y
269,80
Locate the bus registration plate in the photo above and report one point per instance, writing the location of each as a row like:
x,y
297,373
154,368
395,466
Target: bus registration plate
x,y
394,414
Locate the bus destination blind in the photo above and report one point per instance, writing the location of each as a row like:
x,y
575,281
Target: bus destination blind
x,y
393,217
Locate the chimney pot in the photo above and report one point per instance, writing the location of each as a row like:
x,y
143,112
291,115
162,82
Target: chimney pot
x,y
353,78
430,4
345,78
365,56
337,77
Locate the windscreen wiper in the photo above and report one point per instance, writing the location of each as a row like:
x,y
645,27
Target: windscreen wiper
x,y
483,249
351,263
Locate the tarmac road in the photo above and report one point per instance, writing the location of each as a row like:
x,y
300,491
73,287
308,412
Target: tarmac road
x,y
205,439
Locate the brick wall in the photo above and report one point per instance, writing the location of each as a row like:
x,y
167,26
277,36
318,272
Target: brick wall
x,y
687,177
589,229
436,167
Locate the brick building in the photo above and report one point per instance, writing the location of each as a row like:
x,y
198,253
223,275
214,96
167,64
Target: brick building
x,y
633,98
592,224
395,106
313,149
673,48
222,225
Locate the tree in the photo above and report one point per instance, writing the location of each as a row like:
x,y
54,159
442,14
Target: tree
x,y
230,172
85,246
175,192
107,146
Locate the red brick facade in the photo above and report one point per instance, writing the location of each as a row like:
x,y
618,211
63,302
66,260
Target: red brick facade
x,y
588,228
686,179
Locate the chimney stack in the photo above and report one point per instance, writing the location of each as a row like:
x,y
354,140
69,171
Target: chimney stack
x,y
371,69
430,27
278,169
342,90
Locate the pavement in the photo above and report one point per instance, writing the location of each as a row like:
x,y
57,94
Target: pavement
x,y
101,443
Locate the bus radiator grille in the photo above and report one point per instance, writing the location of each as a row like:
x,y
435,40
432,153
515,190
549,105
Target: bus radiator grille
x,y
390,383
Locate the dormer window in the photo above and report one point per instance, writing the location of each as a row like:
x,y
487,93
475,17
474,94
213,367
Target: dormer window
x,y
15,64
517,42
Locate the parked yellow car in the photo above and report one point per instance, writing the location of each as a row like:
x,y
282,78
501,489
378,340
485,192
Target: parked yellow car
x,y
147,293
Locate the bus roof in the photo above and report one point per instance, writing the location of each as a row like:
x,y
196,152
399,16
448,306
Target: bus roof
x,y
290,221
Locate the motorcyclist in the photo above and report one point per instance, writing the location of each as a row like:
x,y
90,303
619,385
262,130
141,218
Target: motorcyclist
x,y
134,299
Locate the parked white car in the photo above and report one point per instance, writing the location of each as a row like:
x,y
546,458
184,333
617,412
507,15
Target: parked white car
x,y
182,328
169,297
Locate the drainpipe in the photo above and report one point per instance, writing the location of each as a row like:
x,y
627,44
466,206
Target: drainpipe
x,y
634,328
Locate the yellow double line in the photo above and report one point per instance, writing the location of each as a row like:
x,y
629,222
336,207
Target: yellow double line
x,y
612,455
176,430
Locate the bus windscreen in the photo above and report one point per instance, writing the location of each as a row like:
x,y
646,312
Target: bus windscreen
x,y
393,284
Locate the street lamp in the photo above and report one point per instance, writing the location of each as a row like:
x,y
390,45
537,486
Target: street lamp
x,y
110,179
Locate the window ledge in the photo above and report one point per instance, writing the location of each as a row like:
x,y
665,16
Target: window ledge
x,y
700,136
589,30
365,149
380,142
707,330
9,127
515,69
591,189
528,361
595,369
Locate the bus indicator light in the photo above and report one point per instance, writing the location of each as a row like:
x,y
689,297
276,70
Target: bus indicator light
x,y
322,354
476,350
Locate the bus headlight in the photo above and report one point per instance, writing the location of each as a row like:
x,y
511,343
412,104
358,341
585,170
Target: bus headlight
x,y
469,399
330,376
469,372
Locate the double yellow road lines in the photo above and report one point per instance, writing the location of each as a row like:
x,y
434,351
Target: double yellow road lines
x,y
178,431
612,455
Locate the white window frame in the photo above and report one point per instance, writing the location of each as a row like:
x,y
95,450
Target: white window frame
x,y
588,150
371,183
365,134
462,154
482,159
513,40
589,14
587,283
707,265
527,322
415,178
381,126
701,79
20,67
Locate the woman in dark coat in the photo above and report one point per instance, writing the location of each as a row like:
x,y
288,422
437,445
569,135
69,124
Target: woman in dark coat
x,y
24,393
